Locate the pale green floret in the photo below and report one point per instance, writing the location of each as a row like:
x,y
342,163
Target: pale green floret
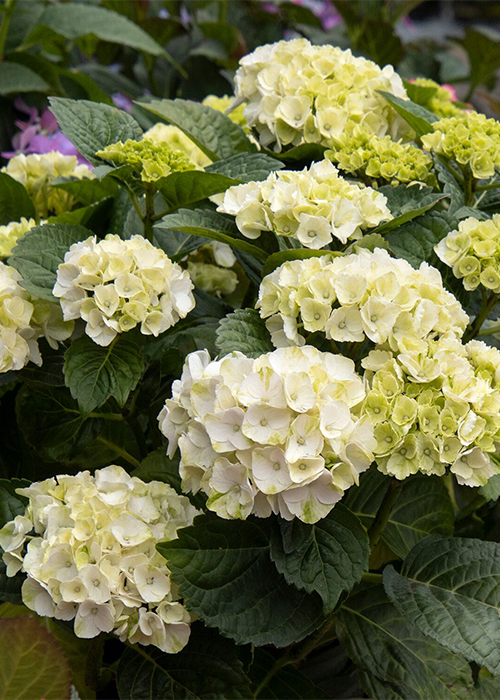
x,y
151,159
10,233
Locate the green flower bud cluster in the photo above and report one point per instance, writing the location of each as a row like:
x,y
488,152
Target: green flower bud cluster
x,y
381,158
473,251
471,139
435,405
37,173
208,268
440,101
10,233
151,159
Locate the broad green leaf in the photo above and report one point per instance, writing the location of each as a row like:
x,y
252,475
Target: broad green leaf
x,y
74,20
328,557
39,253
177,244
491,490
245,331
421,94
11,504
15,78
86,191
415,240
14,200
419,118
94,373
186,188
423,508
213,132
406,203
207,667
227,578
277,259
483,49
31,664
466,212
450,589
91,126
158,467
402,662
304,154
287,683
246,167
10,586
51,422
450,185
209,224
84,216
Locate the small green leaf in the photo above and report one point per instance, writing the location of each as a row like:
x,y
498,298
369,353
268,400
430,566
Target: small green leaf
x,y
450,589
14,200
39,253
328,557
283,256
227,578
186,188
11,504
213,132
94,373
245,331
31,664
15,78
246,167
415,240
208,667
406,203
419,118
209,224
91,126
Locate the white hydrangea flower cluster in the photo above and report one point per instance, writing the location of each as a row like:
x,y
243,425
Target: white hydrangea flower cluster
x,y
434,405
358,296
91,555
296,92
116,284
11,232
23,320
313,206
276,434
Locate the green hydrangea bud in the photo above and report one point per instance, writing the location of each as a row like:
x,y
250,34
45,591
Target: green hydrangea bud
x,y
151,159
212,278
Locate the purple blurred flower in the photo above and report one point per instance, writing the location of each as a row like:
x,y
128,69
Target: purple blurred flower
x,y
122,101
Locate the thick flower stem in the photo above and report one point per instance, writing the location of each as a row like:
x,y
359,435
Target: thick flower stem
x,y
149,214
474,329
384,512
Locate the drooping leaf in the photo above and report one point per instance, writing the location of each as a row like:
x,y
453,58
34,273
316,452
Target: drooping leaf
x,y
277,259
401,662
39,253
246,167
245,331
185,188
14,200
419,118
91,126
11,503
415,240
287,683
94,373
227,578
213,132
31,664
450,589
15,78
423,508
406,203
209,224
328,557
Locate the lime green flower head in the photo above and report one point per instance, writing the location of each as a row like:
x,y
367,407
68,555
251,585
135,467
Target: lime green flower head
x,y
152,160
440,100
381,158
471,139
10,233
473,252
212,278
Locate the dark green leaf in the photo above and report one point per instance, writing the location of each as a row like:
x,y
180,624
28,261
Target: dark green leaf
x,y
15,78
14,200
86,191
245,331
11,503
305,153
39,253
419,118
158,467
415,240
10,586
186,188
246,167
491,490
287,684
94,373
226,576
402,662
277,259
450,186
177,244
91,126
213,132
406,203
483,49
206,668
450,589
328,557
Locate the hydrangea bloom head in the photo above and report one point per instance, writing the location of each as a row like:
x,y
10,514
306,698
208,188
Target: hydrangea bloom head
x,y
115,285
276,434
221,104
314,206
473,251
471,139
358,296
87,545
296,92
441,98
153,160
380,158
23,319
37,173
176,140
435,405
10,233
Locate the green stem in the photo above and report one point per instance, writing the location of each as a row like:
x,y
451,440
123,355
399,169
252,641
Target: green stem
x,y
121,451
4,27
223,10
491,330
474,329
470,184
448,482
492,186
148,219
107,416
384,512
139,435
447,165
369,577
